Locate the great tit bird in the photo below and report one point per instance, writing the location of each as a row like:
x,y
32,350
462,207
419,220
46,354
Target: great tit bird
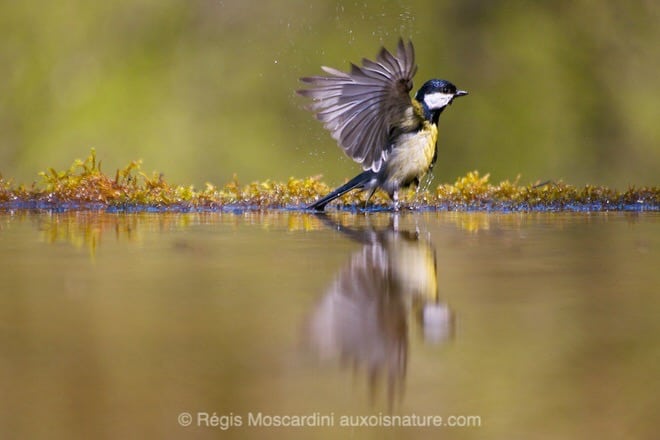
x,y
369,112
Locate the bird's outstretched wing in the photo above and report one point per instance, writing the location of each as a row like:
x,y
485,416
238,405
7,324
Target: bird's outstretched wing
x,y
361,108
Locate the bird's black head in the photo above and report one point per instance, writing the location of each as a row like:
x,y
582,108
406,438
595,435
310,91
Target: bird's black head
x,y
435,95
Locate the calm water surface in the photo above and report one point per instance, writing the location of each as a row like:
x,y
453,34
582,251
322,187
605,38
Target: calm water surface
x,y
522,325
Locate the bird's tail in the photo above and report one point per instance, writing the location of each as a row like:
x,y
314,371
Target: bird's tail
x,y
358,181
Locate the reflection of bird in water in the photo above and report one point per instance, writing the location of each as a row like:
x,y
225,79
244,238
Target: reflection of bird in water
x,y
363,317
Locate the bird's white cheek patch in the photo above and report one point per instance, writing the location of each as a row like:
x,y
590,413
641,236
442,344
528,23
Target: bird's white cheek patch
x,y
437,100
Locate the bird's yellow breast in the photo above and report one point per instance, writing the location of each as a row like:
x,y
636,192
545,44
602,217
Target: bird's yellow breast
x,y
411,156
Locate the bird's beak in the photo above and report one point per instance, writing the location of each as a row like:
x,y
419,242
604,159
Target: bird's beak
x,y
458,94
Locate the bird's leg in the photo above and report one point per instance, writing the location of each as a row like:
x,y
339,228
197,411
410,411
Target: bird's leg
x,y
395,199
371,193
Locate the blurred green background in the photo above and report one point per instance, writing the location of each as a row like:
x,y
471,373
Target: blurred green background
x,y
203,89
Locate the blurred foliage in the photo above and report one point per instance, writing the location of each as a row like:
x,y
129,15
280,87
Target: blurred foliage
x,y
205,88
85,186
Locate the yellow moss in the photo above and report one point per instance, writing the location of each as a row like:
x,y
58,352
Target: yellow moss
x,y
85,186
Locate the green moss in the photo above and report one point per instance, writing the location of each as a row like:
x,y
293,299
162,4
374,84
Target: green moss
x,y
85,186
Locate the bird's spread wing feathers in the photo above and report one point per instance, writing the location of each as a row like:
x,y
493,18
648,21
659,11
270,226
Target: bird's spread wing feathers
x,y
360,108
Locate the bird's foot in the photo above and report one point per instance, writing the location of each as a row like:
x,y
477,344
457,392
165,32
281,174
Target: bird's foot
x,y
395,199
